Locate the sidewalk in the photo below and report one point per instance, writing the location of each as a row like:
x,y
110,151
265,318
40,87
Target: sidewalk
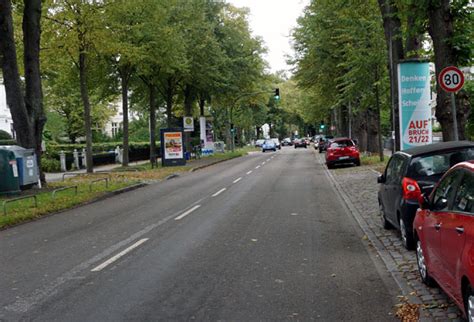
x,y
58,176
196,164
358,188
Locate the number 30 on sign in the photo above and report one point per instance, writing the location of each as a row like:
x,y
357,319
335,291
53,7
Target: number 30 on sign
x,y
451,79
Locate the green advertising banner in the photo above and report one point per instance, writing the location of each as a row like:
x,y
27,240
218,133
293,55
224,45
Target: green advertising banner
x,y
414,104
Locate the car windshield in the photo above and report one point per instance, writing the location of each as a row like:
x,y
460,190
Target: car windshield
x,y
438,164
269,142
342,144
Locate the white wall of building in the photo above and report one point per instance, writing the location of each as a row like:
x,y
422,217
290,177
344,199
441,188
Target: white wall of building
x,y
6,122
113,126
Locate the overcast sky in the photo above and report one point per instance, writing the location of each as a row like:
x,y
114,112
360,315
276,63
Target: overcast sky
x,y
273,21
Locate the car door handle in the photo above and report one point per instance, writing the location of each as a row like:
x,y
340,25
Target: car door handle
x,y
460,229
437,226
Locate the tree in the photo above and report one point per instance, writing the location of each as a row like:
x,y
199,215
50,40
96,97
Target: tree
x,y
25,106
76,29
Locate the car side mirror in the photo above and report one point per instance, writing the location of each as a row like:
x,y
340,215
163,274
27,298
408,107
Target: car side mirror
x,y
424,201
440,204
381,179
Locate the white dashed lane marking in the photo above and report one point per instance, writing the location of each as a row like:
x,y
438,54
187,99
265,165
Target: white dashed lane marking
x,y
119,255
219,192
249,172
187,212
237,180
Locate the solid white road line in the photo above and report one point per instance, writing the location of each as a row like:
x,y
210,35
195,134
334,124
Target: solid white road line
x,y
237,180
257,167
249,172
219,192
121,254
184,214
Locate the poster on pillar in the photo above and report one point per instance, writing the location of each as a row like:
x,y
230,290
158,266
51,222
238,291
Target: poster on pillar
x,y
414,104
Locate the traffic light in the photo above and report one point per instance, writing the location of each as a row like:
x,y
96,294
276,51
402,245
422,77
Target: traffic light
x,y
322,126
277,93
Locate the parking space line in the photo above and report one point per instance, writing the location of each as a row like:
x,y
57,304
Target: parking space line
x,y
219,192
237,180
184,214
119,255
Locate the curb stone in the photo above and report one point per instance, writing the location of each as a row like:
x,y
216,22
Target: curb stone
x,y
85,203
354,185
381,251
213,163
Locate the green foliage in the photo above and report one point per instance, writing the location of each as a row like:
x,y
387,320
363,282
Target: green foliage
x,y
50,165
5,135
8,142
53,149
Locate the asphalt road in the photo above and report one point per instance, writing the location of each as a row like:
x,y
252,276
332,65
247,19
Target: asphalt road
x,y
263,237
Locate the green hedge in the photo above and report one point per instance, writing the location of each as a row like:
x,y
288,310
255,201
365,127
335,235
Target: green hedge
x,y
8,142
53,150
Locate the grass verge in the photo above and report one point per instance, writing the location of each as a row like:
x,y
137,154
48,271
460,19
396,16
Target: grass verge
x,y
373,161
24,210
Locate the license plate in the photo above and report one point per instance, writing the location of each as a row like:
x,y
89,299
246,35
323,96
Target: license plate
x,y
343,158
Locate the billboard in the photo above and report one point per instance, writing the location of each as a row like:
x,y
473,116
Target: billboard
x,y
172,147
414,104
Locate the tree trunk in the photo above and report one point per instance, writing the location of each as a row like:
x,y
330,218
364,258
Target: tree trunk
x,y
393,38
169,102
202,103
125,77
86,103
11,77
33,92
152,92
441,31
188,111
27,112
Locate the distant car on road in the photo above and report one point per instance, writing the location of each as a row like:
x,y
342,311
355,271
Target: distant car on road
x,y
277,143
408,174
342,150
259,143
269,145
286,142
299,143
444,236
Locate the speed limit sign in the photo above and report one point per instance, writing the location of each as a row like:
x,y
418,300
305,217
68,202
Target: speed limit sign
x,y
451,79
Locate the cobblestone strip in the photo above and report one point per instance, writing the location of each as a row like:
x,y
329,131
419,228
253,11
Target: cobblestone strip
x,y
359,189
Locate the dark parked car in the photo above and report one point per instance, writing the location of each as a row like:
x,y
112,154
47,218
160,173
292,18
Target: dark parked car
x,y
299,143
408,174
324,142
444,235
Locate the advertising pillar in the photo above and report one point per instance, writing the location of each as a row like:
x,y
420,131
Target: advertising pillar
x,y
172,147
414,104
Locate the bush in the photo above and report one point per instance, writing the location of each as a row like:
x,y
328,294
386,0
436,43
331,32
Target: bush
x,y
8,142
5,135
54,149
50,165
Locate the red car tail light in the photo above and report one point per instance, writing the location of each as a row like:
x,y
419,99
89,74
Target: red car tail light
x,y
411,189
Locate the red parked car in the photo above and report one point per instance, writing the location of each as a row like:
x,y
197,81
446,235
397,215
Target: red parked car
x,y
342,150
444,235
